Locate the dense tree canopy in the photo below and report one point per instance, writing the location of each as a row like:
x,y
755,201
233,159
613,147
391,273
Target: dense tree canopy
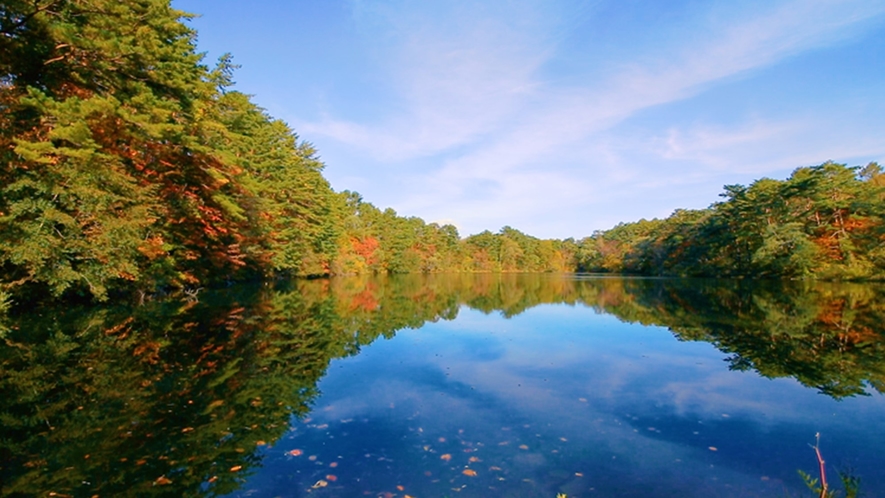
x,y
824,221
129,167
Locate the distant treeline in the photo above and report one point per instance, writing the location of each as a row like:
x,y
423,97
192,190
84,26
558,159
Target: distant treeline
x,y
825,221
129,167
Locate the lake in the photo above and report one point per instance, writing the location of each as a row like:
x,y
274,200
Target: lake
x,y
450,385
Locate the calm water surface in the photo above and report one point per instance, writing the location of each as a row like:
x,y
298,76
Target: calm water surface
x,y
515,385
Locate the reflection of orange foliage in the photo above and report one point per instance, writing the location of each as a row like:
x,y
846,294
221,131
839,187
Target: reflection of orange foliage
x,y
150,350
117,328
365,301
831,313
859,335
833,316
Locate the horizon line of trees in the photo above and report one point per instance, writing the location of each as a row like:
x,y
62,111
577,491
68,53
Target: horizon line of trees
x,y
129,167
825,221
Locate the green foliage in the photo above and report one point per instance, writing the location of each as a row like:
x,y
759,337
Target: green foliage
x,y
824,221
128,167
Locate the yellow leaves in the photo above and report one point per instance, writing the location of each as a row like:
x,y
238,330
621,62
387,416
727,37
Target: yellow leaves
x,y
473,459
320,484
331,477
295,452
162,481
469,472
445,457
236,468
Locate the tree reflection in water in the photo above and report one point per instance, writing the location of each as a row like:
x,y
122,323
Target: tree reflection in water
x,y
178,398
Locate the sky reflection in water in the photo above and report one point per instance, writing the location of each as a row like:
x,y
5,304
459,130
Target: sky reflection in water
x,y
448,385
561,399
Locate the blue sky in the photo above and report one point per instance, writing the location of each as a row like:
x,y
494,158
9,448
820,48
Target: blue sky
x,y
559,117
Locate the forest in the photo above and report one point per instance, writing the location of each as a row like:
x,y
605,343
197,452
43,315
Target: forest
x,y
130,168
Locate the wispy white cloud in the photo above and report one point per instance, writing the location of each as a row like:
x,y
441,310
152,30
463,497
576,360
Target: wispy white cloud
x,y
457,72
474,97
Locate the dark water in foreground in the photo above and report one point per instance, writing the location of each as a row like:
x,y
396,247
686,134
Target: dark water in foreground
x,y
424,386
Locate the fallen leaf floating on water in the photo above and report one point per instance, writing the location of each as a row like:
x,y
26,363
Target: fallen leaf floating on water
x,y
400,488
469,472
473,459
294,453
213,479
236,468
260,443
331,478
320,484
523,447
713,448
162,481
333,464
494,467
446,457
